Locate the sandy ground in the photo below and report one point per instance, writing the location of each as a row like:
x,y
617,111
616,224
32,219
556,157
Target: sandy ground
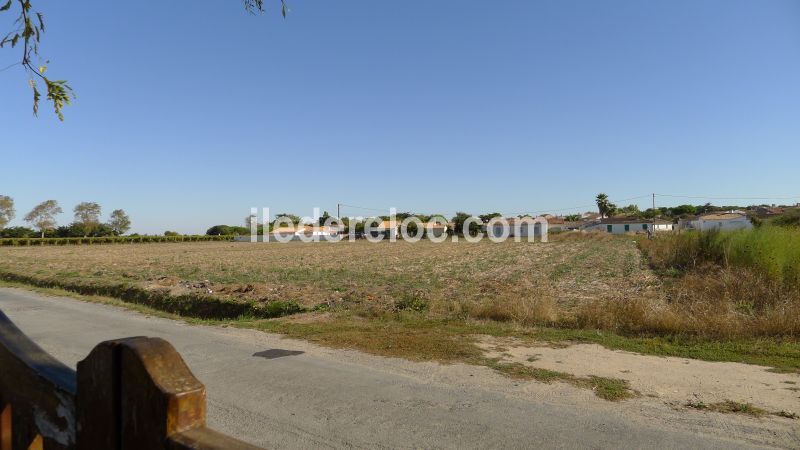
x,y
675,381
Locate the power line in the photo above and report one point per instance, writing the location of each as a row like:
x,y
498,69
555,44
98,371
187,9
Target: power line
x,y
727,198
364,207
10,66
592,205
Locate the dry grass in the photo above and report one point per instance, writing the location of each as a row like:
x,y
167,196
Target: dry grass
x,y
577,281
731,407
526,283
726,285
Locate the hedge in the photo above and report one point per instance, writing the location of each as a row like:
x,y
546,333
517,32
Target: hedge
x,y
189,305
109,240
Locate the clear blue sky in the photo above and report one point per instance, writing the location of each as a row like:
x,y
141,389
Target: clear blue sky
x,y
191,112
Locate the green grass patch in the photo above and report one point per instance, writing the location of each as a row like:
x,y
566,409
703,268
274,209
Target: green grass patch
x,y
611,389
772,251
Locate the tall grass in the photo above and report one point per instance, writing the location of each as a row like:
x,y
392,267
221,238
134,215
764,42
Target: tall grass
x,y
728,284
773,252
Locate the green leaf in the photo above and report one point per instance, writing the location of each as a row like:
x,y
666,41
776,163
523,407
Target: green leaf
x,y
6,7
36,97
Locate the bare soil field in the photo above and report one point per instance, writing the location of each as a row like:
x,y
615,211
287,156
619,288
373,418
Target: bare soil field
x,y
520,281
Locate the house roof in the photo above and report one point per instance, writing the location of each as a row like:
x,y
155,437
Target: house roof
x,y
285,229
313,228
434,225
631,220
723,216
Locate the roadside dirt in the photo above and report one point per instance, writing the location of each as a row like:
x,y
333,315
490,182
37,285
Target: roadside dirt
x,y
675,381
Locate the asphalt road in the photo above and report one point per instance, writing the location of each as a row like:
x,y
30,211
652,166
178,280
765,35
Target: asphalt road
x,y
282,393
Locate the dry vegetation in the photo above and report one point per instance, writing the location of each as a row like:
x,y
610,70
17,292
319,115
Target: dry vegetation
x,y
730,285
576,281
429,301
528,283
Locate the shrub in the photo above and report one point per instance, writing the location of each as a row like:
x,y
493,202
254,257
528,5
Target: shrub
x,y
790,219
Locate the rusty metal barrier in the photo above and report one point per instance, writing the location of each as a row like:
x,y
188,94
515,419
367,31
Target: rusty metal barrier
x,y
132,393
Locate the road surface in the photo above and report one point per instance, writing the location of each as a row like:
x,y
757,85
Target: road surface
x,y
283,393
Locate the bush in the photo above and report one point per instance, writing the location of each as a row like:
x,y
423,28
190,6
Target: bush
x,y
18,232
790,219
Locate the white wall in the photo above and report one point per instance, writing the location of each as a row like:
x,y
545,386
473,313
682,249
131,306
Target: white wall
x,y
723,225
639,227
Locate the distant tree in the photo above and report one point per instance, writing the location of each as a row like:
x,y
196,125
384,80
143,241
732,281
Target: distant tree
x,y
7,212
249,219
603,204
401,216
219,230
227,230
458,221
239,231
119,222
77,229
630,210
683,210
324,217
293,218
74,229
485,218
17,232
651,213
87,214
42,217
458,224
573,218
171,233
102,230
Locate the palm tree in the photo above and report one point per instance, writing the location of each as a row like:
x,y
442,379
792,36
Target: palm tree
x,y
602,204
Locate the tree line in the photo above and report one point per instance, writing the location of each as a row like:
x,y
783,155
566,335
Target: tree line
x,y
42,220
458,222
608,209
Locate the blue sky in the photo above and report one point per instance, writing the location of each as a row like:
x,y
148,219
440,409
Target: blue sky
x,y
190,113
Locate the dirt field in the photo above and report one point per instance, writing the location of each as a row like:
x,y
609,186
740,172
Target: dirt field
x,y
443,279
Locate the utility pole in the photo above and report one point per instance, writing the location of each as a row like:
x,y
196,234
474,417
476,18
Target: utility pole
x,y
654,214
338,212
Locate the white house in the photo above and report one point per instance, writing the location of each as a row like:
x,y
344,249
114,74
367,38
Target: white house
x,y
719,221
517,227
622,225
314,230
